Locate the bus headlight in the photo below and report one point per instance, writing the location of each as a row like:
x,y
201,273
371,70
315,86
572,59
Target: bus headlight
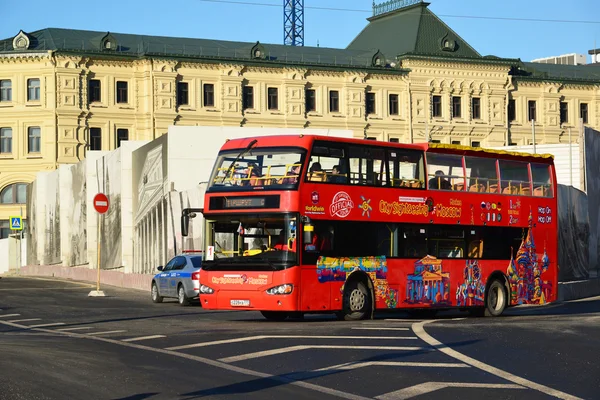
x,y
206,290
281,289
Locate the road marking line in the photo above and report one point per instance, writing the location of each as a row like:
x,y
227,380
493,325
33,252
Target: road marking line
x,y
25,320
356,365
412,321
429,387
261,337
383,329
289,349
45,325
135,339
75,329
419,330
9,315
103,333
212,363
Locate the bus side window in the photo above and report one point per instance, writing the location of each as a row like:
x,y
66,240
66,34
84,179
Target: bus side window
x,y
542,184
412,241
445,172
327,163
405,168
482,174
515,178
367,166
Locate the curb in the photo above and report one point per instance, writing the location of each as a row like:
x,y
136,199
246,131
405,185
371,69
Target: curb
x,y
578,289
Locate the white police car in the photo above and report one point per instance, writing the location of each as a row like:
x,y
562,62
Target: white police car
x,y
179,279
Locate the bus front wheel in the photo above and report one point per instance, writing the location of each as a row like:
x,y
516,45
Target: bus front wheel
x,y
275,315
357,301
495,299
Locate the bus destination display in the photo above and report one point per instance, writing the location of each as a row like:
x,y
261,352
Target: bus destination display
x,y
245,202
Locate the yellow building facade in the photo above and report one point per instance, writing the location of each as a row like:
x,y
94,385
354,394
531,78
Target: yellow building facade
x,y
65,92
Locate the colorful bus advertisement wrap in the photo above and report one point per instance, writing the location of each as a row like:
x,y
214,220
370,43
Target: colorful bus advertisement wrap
x,y
339,269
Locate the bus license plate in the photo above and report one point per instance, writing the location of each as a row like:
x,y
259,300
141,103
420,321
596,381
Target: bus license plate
x,y
240,303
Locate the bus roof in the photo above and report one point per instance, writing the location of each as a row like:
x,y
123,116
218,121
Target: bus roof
x,y
305,141
467,150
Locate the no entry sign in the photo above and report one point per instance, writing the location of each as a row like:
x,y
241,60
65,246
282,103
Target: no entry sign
x,y
101,203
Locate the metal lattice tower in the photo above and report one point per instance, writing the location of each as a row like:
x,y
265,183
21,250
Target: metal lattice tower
x,y
293,22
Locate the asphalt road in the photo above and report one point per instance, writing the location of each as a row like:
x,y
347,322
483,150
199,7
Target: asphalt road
x,y
58,343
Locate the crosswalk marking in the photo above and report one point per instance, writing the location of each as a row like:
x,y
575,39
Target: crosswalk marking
x,y
45,325
356,365
381,329
9,315
261,337
104,333
136,339
24,320
429,387
305,347
79,328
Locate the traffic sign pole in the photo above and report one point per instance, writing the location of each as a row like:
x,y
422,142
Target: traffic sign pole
x,y
101,205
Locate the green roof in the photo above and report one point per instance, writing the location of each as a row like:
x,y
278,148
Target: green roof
x,y
412,29
81,41
559,72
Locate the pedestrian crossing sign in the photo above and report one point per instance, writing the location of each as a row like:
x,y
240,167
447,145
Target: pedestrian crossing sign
x,y
16,223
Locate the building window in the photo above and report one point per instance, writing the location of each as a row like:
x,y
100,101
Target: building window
x,y
512,110
4,228
5,140
531,108
334,101
311,102
394,140
476,108
122,134
456,111
564,112
436,102
33,89
583,112
247,97
272,99
122,92
95,139
393,104
14,194
34,136
370,103
182,94
457,142
209,95
94,92
475,144
5,90
435,141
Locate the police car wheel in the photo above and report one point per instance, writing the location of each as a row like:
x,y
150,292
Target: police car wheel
x,y
181,297
156,298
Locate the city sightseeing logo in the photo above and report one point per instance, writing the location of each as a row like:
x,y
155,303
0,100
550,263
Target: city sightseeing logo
x,y
365,206
341,205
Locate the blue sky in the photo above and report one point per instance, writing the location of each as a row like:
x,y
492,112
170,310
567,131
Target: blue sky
x,y
212,20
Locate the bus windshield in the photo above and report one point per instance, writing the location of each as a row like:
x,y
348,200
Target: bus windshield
x,y
244,169
251,242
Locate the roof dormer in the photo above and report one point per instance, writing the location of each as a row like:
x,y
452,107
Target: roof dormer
x,y
21,41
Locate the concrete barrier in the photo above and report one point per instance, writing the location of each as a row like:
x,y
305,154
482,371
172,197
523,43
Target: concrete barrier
x,y
87,274
578,289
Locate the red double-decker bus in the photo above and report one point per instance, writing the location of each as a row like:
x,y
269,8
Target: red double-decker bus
x,y
312,224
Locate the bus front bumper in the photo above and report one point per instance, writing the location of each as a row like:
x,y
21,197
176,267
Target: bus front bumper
x,y
249,300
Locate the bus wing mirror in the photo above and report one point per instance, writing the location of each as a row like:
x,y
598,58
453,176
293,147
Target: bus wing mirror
x,y
185,223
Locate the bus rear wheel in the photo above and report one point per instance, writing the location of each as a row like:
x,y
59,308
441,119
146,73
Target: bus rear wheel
x,y
275,315
358,303
495,299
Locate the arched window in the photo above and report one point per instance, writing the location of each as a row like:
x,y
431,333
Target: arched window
x,y
14,194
